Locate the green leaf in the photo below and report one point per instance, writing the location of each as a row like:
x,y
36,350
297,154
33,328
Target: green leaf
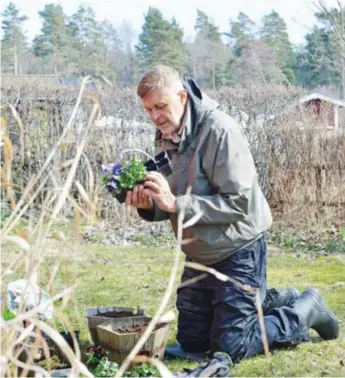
x,y
133,173
7,314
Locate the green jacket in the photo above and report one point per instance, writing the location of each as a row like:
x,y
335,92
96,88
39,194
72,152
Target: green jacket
x,y
213,157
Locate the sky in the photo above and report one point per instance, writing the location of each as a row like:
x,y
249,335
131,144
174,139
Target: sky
x,y
298,14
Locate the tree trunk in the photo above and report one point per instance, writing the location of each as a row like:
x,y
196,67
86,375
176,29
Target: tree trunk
x,y
342,85
55,64
194,67
214,73
15,60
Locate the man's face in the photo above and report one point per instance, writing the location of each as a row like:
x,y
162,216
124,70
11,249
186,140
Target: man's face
x,y
166,109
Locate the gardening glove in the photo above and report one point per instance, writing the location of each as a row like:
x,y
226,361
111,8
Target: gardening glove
x,y
218,366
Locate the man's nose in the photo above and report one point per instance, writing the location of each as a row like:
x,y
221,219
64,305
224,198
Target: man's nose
x,y
154,115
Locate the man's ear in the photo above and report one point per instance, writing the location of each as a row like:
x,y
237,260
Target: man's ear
x,y
183,95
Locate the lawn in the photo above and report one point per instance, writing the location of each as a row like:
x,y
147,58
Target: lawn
x,y
137,276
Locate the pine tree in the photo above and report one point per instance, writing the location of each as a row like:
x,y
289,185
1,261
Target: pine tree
x,y
13,43
336,23
160,42
128,61
208,55
53,41
332,51
112,53
313,66
256,65
242,32
274,34
322,61
89,46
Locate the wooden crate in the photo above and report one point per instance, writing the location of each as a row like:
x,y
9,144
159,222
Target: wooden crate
x,y
119,344
98,315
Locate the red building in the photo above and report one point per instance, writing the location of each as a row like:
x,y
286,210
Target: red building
x,y
326,108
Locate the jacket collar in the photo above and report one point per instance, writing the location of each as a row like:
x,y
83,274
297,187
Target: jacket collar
x,y
199,107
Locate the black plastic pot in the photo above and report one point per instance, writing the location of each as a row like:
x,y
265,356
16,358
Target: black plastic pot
x,y
121,196
161,163
68,337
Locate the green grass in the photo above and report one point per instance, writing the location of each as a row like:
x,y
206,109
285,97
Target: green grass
x,y
137,276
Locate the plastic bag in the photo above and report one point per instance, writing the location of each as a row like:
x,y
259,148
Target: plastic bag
x,y
33,296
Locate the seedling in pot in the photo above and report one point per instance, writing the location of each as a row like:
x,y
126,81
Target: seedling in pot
x,y
119,179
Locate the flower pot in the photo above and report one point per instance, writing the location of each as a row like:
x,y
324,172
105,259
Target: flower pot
x,y
121,197
68,337
98,315
161,163
120,337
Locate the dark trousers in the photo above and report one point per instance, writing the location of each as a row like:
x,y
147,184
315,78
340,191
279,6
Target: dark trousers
x,y
216,315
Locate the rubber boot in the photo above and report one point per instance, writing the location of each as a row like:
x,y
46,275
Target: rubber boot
x,y
313,310
279,298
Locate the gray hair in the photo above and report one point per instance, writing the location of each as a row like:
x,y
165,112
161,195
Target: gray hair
x,y
158,77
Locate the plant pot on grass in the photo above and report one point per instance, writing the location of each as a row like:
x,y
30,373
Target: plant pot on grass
x,y
57,351
69,338
120,337
98,315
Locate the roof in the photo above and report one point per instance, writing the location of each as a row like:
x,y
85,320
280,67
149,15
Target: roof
x,y
319,96
8,81
42,81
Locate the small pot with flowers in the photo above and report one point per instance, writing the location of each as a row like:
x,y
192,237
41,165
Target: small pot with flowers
x,y
119,178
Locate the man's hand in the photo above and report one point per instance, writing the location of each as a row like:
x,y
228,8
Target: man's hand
x,y
138,198
157,187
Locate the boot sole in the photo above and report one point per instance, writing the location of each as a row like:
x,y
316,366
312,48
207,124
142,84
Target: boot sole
x,y
322,307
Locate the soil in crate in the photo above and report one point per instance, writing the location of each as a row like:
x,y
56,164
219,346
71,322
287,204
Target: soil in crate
x,y
119,338
138,328
98,315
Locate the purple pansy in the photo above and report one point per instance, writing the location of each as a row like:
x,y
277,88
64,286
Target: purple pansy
x,y
106,169
111,173
117,169
111,186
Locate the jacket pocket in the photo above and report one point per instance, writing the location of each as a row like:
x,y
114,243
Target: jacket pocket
x,y
241,232
214,236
